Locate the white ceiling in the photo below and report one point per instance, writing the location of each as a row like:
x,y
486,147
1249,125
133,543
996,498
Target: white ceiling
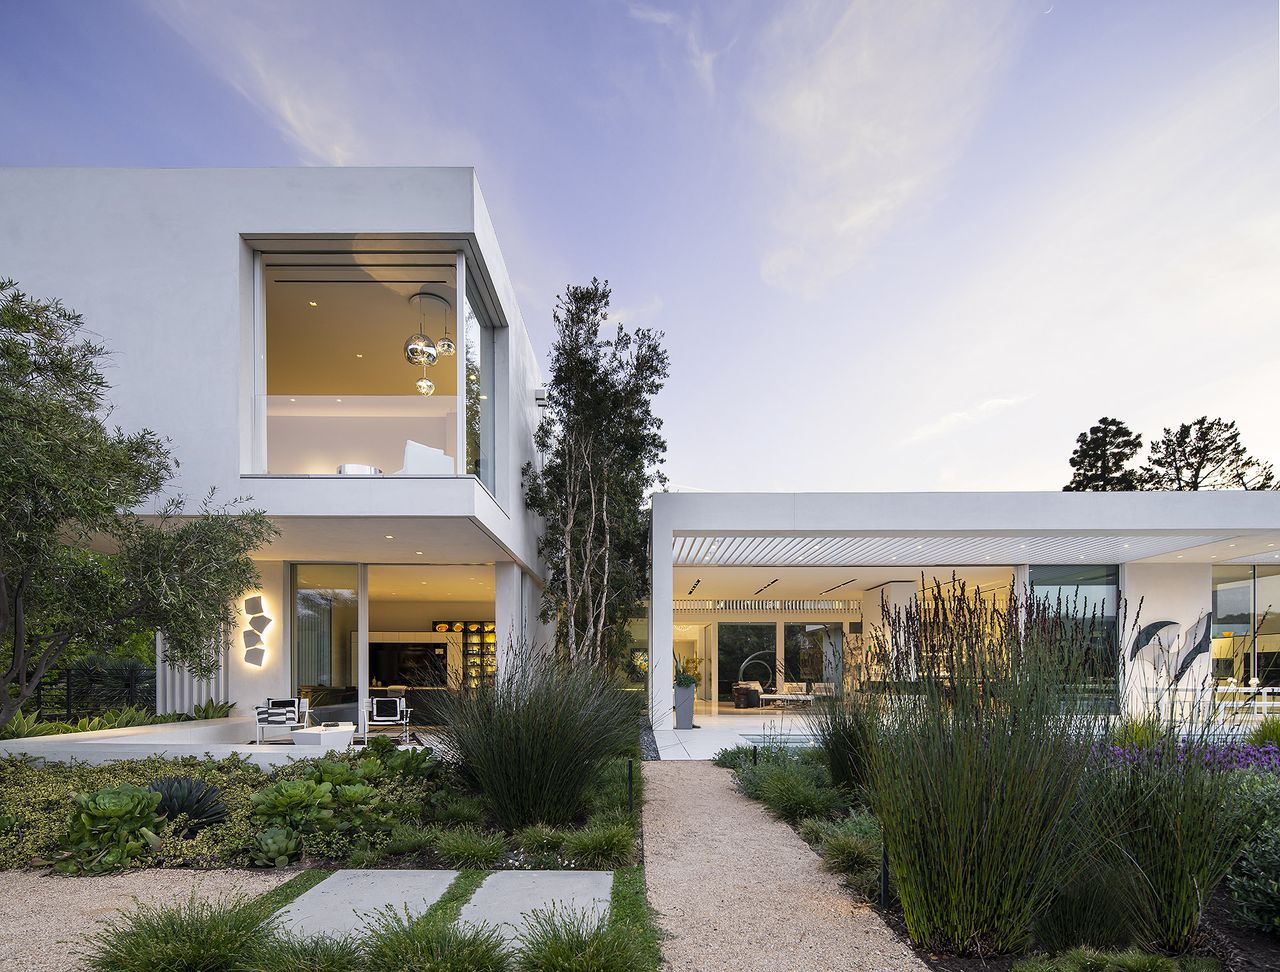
x,y
452,582
835,583
789,550
352,341
415,540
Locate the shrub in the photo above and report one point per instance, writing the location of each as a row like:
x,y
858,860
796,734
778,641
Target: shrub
x,y
276,847
569,941
198,803
301,805
1088,960
468,847
539,736
1266,732
793,792
407,839
356,807
979,756
412,762
1172,825
601,847
540,839
195,936
453,809
843,726
608,796
1088,908
394,942
1254,881
1131,733
321,953
109,829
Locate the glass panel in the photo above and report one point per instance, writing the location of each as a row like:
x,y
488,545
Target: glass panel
x,y
1232,630
1089,592
431,628
1267,601
340,392
810,653
326,608
749,652
479,372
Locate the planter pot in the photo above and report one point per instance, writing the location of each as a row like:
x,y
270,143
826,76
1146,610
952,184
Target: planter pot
x,y
684,706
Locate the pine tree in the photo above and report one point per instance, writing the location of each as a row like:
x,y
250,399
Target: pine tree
x,y
1101,459
1205,454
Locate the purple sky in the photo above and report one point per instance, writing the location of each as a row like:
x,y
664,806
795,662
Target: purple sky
x,y
894,245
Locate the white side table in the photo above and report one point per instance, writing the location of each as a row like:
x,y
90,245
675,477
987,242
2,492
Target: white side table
x,y
327,737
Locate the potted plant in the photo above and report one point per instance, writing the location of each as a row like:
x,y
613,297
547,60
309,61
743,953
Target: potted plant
x,y
686,686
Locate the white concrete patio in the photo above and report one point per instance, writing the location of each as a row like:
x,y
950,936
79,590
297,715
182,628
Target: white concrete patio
x,y
726,729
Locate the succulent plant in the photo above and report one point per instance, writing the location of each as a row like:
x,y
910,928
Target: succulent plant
x,y
200,803
301,805
24,726
108,829
276,847
335,771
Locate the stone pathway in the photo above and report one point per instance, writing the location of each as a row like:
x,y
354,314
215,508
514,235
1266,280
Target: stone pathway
x,y
340,903
736,889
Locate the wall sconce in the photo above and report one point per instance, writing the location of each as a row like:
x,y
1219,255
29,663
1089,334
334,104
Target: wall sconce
x,y
255,652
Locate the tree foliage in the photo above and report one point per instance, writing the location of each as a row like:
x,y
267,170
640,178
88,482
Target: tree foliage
x,y
1205,454
1102,456
602,447
77,566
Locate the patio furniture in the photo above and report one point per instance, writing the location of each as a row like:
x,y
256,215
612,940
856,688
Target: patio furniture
x,y
786,698
388,711
746,695
281,714
327,737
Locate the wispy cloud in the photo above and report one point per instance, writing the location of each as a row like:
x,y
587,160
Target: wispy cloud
x,y
686,28
864,107
952,421
639,313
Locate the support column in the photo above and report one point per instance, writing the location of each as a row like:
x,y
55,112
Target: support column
x,y
661,667
508,616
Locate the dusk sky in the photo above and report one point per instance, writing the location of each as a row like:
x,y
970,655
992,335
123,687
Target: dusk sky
x,y
893,245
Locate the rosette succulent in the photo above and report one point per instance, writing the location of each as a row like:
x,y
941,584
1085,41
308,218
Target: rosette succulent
x,y
301,805
109,829
276,847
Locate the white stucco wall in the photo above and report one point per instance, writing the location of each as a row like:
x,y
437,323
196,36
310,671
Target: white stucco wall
x,y
1181,593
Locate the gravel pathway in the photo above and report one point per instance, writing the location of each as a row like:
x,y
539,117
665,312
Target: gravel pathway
x,y
736,889
45,918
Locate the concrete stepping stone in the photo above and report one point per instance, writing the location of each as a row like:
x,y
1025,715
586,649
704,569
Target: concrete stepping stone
x,y
340,904
506,897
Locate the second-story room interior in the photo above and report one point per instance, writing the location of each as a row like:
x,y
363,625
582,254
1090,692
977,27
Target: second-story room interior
x,y
372,367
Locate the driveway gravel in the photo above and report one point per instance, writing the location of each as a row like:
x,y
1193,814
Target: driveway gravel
x,y
44,918
736,889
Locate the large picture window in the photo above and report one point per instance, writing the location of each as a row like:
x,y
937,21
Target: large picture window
x,y
1246,624
1091,594
480,390
337,393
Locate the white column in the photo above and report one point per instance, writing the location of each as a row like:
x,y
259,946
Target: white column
x,y
362,648
508,613
661,669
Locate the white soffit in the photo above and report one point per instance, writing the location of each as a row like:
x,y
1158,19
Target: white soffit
x,y
712,550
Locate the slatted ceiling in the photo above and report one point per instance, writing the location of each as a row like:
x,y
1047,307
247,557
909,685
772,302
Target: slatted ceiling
x,y
800,551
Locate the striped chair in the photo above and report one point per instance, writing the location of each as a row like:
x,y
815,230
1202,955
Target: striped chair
x,y
282,714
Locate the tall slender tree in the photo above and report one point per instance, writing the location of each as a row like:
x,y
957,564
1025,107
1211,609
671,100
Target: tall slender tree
x,y
602,449
1102,456
78,567
1205,454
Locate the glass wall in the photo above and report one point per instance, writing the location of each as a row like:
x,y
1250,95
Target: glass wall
x,y
1246,624
326,607
480,398
337,393
1090,593
749,650
810,652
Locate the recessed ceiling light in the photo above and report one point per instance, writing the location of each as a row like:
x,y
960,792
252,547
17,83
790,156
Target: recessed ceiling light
x,y
421,582
338,400
359,355
293,399
389,536
418,552
1179,556
1231,545
313,303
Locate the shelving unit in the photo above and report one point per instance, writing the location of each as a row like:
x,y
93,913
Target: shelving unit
x,y
479,650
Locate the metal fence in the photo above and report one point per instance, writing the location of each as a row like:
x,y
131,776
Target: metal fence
x,y
91,688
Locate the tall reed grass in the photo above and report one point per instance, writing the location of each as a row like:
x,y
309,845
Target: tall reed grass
x,y
535,741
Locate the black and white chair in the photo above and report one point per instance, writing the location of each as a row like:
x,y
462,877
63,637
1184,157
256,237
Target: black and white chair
x,y
389,711
281,714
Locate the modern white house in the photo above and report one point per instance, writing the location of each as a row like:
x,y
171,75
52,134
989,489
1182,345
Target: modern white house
x,y
343,346
771,589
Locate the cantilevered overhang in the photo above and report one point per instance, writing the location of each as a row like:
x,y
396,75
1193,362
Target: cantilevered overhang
x,y
927,529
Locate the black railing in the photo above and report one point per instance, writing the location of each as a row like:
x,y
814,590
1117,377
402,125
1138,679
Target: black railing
x,y
91,687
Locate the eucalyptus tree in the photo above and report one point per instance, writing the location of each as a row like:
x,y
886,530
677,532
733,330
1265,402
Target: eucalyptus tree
x,y
602,449
78,565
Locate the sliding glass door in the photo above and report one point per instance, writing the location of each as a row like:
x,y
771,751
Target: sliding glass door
x,y
326,644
